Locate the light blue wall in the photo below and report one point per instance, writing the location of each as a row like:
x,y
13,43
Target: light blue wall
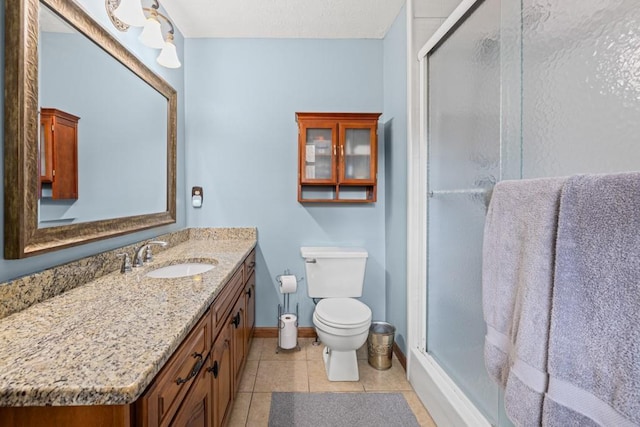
x,y
242,148
10,269
395,159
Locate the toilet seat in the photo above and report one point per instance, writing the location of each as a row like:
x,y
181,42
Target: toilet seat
x,y
343,312
342,316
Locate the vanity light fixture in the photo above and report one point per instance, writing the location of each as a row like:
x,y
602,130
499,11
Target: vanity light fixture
x,y
168,56
151,35
129,12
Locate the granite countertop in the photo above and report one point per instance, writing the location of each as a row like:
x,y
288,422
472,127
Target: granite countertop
x,y
103,343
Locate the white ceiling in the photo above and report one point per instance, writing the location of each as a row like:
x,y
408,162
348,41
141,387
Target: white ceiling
x,y
369,19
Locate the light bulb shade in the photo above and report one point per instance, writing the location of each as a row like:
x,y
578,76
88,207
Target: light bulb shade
x,y
151,35
130,12
168,56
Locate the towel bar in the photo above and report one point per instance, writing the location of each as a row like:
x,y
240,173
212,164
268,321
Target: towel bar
x,y
465,191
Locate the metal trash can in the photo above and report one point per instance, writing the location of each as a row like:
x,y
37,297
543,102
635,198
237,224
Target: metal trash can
x,y
380,344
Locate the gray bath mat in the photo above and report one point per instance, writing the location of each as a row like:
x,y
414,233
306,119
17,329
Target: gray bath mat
x,y
340,409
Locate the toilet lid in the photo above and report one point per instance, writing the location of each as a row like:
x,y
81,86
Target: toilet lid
x,y
342,312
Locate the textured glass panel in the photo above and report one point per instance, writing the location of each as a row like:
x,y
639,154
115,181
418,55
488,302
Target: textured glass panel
x,y
456,327
357,153
464,160
318,154
511,90
581,86
464,103
560,96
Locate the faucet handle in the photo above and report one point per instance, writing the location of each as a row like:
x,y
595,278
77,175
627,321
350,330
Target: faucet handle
x,y
126,263
148,253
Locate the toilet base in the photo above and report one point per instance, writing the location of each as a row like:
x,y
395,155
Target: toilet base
x,y
340,365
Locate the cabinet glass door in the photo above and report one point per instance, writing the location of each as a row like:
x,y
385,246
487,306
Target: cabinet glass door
x,y
318,154
357,151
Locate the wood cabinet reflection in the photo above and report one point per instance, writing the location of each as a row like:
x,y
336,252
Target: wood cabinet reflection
x,y
58,154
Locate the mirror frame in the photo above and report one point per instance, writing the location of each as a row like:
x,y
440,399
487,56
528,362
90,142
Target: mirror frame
x,y
22,237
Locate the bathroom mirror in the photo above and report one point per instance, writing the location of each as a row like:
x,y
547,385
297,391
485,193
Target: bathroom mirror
x,y
126,147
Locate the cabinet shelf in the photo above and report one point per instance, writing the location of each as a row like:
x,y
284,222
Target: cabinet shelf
x,y
337,157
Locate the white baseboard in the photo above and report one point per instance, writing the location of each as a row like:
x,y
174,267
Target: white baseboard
x,y
446,403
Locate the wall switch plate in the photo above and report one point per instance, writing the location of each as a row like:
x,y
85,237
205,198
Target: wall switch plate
x,y
197,197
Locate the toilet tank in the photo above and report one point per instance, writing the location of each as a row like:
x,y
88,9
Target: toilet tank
x,y
334,272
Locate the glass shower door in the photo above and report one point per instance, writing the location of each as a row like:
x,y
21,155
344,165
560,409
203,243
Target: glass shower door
x,y
463,164
516,90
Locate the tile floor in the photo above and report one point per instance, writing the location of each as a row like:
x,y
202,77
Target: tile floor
x,y
265,371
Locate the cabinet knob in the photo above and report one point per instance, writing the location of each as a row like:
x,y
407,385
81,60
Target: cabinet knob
x,y
249,292
236,320
215,369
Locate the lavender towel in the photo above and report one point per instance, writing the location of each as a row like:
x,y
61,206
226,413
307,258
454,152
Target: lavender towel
x,y
594,344
517,273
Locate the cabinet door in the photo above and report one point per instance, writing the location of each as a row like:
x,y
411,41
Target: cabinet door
x,y
317,151
65,159
250,310
238,334
358,146
220,371
197,407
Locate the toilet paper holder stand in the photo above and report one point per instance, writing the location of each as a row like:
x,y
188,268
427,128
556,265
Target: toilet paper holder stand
x,y
284,309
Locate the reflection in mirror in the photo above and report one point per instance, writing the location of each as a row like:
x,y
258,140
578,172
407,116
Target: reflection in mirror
x,y
120,145
63,69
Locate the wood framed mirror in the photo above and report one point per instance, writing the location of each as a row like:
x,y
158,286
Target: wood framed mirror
x,y
25,233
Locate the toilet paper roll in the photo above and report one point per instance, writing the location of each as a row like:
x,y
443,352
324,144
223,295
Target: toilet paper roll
x,y
288,284
288,336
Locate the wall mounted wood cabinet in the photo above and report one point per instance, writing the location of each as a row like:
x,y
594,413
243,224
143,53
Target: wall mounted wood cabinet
x,y
337,157
58,154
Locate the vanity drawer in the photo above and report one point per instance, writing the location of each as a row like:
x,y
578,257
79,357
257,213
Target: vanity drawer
x,y
162,400
249,264
224,302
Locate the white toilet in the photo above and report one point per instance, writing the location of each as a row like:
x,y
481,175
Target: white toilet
x,y
336,275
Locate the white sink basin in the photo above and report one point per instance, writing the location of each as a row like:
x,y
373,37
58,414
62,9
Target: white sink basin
x,y
180,270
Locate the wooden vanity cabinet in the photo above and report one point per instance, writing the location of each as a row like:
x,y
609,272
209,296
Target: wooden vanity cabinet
x,y
59,153
210,399
196,386
337,157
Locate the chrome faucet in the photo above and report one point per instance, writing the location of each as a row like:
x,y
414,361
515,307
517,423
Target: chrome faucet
x,y
126,263
145,250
